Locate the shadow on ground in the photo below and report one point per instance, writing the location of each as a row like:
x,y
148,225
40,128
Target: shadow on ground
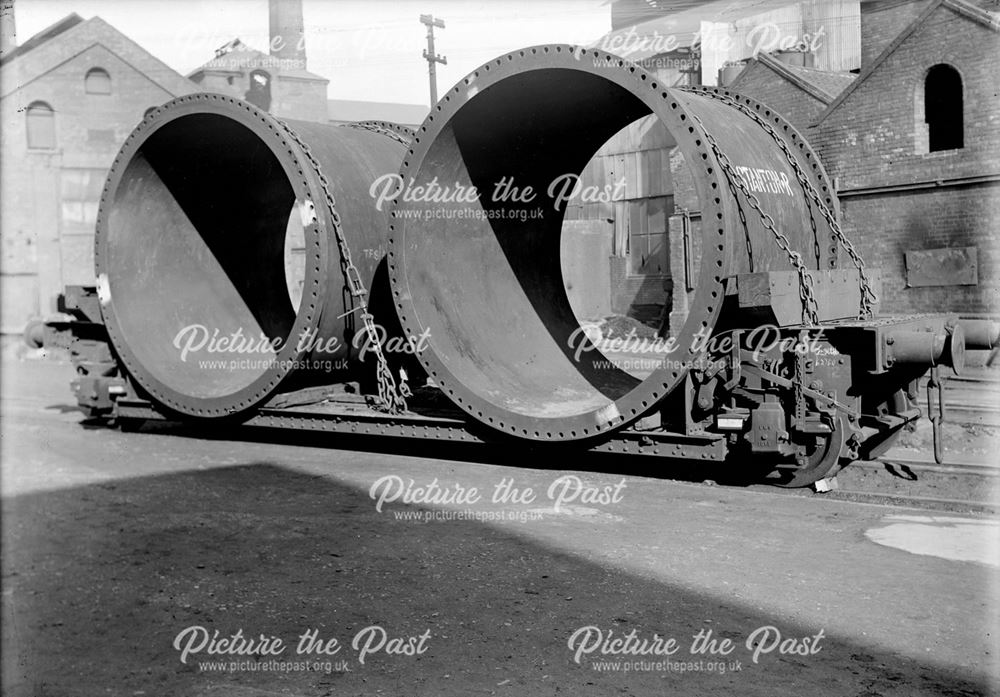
x,y
555,456
98,581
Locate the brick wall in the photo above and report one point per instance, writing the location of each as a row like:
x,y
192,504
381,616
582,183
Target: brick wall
x,y
884,227
876,138
882,21
223,83
296,98
637,296
291,97
761,83
67,47
46,244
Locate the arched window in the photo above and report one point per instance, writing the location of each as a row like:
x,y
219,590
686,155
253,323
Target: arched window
x,y
943,109
259,93
41,126
97,81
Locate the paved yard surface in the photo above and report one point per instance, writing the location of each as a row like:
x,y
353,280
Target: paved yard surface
x,y
124,553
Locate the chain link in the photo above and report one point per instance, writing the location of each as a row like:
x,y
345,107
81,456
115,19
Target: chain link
x,y
810,308
391,398
743,223
868,297
817,252
383,129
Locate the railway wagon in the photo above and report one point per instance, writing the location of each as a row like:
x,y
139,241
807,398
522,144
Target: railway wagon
x,y
369,279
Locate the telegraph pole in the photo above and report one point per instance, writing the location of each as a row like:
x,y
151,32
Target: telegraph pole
x,y
429,54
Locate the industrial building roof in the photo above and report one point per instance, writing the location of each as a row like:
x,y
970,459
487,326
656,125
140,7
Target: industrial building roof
x,y
51,31
974,11
684,24
825,85
73,35
238,57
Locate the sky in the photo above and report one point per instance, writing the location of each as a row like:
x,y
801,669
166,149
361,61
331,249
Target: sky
x,y
368,49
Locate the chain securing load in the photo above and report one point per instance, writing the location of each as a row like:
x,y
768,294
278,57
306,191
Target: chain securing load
x,y
236,253
218,216
810,311
823,432
868,296
390,398
401,134
489,287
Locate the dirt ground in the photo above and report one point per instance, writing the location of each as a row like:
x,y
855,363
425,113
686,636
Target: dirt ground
x,y
961,442
116,543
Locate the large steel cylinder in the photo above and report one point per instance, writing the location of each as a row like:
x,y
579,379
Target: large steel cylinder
x,y
482,275
218,270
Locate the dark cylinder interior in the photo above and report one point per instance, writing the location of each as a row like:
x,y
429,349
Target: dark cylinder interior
x,y
217,258
512,336
483,275
196,235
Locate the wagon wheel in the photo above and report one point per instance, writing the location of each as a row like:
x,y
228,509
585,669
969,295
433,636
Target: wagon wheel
x,y
819,458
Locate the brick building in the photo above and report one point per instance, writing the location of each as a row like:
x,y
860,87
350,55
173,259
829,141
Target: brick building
x,y
688,43
635,222
275,83
911,141
69,96
913,146
697,43
798,93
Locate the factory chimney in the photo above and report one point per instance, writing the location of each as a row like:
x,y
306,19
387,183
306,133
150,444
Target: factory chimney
x,y
287,32
8,34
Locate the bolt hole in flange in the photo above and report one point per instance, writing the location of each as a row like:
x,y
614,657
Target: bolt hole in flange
x,y
486,278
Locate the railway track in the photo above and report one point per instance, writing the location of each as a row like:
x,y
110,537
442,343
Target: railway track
x,y
971,399
977,381
952,487
977,414
951,505
983,469
956,485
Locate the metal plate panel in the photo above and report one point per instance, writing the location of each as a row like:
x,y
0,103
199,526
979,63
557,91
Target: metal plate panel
x,y
951,266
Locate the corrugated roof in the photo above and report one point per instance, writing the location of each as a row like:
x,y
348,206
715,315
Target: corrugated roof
x,y
647,39
350,111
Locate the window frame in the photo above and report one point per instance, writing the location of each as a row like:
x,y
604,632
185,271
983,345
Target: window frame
x,y
97,71
267,93
33,111
639,209
923,126
79,198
